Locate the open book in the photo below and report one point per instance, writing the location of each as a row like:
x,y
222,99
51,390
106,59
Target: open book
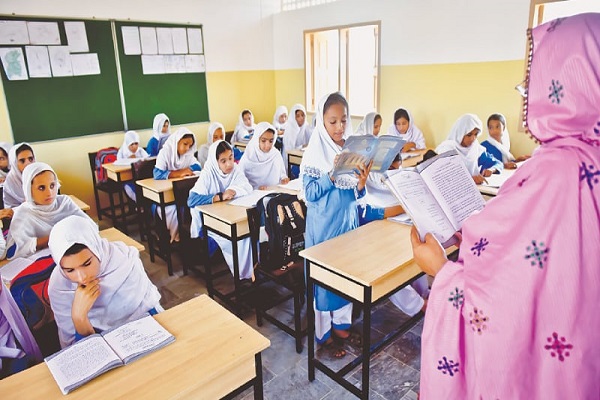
x,y
438,194
364,148
94,355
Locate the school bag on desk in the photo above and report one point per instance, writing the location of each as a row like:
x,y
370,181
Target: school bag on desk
x,y
284,218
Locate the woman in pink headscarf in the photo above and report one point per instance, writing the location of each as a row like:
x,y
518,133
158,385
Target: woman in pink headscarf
x,y
517,315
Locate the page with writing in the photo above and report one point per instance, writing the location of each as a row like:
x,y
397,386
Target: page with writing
x,y
421,205
250,199
137,338
81,362
453,187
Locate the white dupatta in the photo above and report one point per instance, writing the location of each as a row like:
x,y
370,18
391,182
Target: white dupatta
x,y
262,169
461,127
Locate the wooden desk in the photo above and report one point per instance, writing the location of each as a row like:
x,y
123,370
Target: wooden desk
x,y
115,235
118,173
365,265
81,204
294,158
240,145
412,161
214,354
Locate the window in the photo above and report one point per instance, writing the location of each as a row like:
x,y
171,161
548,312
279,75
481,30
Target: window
x,y
343,59
288,5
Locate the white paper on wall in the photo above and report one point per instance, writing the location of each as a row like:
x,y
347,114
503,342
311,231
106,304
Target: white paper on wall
x,y
76,37
85,64
13,32
165,40
153,65
60,61
148,39
14,63
180,44
194,63
131,40
195,40
175,64
43,33
38,61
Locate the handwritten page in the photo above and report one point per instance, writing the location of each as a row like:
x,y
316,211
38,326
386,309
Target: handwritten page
x,y
165,40
13,63
43,33
180,44
194,63
38,61
85,64
131,40
76,37
153,65
251,199
60,60
148,40
13,33
195,40
174,64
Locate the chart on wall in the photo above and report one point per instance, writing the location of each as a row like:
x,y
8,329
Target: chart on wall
x,y
60,76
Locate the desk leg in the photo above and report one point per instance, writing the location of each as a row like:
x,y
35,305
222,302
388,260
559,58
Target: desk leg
x,y
167,245
366,348
310,317
208,265
258,381
289,167
236,272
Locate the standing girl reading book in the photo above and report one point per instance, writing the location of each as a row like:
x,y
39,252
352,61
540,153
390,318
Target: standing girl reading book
x,y
517,315
176,160
498,142
221,180
216,131
4,165
262,163
331,208
19,156
97,284
42,209
405,128
161,130
245,127
370,125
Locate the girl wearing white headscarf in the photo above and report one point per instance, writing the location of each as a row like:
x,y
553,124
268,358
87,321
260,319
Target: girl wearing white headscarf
x,y
13,185
331,206
295,132
263,168
113,276
216,131
370,125
221,180
280,118
131,147
176,160
161,128
32,222
498,141
245,127
404,127
4,164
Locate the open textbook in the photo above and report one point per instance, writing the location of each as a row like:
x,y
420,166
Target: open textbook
x,y
364,148
438,194
94,355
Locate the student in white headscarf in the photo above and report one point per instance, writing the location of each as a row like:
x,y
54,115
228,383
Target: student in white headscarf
x,y
296,136
262,163
97,284
221,180
404,127
498,142
245,127
19,156
279,119
4,164
176,160
370,125
216,131
42,209
130,149
161,128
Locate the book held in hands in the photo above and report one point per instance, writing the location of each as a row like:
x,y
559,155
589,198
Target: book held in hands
x,y
364,148
95,354
438,194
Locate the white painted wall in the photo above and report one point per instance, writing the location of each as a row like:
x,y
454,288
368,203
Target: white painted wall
x,y
238,34
414,31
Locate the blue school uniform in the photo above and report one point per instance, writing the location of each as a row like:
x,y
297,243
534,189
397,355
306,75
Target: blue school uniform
x,y
152,147
487,161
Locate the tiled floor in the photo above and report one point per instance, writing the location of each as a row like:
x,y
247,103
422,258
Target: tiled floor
x,y
394,371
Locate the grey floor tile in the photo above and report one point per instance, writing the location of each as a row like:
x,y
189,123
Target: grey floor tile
x,y
407,348
293,384
281,355
410,396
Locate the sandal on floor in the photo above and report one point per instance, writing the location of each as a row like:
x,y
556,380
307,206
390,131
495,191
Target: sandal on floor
x,y
353,338
335,351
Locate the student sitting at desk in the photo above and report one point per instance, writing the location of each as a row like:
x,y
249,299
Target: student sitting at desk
x,y
4,165
131,149
19,156
279,120
463,139
404,127
245,128
331,209
216,131
262,163
221,180
42,209
161,130
176,160
498,142
295,134
97,284
370,125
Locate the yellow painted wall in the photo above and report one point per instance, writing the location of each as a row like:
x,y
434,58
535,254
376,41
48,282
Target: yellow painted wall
x,y
437,95
228,93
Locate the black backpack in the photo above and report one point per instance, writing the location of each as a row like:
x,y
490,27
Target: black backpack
x,y
284,218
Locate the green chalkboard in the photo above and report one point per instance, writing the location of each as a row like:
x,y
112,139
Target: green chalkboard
x,y
59,107
182,96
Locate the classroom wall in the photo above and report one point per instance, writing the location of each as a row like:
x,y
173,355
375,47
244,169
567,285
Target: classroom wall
x,y
440,59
